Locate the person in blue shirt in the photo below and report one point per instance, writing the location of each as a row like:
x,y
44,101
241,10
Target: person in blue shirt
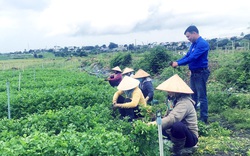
x,y
197,60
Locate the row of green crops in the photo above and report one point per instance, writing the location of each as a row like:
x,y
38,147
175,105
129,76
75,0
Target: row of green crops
x,y
51,89
76,131
61,112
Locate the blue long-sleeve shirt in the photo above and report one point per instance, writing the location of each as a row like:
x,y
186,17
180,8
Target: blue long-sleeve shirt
x,y
197,56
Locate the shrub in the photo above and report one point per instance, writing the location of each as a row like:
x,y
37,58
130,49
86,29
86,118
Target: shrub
x,y
156,60
121,60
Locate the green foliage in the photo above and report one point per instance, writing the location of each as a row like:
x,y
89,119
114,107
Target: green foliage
x,y
43,90
220,101
214,129
235,72
244,77
156,60
238,117
213,137
220,145
170,71
122,60
76,130
59,112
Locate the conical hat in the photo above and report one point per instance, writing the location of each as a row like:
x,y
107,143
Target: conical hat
x,y
128,83
127,70
175,84
141,73
117,69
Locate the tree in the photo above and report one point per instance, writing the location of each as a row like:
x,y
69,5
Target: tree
x,y
131,47
247,37
88,47
104,46
83,53
234,38
155,61
112,45
121,60
223,43
212,43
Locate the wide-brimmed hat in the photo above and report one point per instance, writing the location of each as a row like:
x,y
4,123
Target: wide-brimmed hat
x,y
175,84
127,70
140,73
128,83
117,69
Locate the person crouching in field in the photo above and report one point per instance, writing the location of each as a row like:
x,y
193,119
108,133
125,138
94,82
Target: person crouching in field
x,y
115,78
146,85
180,125
129,98
128,71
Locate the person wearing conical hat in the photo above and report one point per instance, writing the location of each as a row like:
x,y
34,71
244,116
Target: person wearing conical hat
x,y
128,98
128,71
180,125
146,84
115,78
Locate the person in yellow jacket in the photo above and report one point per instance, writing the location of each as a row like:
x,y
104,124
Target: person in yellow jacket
x,y
129,98
180,125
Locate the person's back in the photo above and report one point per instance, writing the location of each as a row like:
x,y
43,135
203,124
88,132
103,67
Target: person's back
x,y
190,119
147,89
145,84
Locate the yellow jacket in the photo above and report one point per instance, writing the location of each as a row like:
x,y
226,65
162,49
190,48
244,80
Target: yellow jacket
x,y
137,99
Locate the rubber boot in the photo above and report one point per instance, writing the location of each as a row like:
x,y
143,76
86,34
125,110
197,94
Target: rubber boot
x,y
178,145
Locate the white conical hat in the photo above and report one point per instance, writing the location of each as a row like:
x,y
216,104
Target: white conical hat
x,y
140,73
117,68
128,83
175,84
127,70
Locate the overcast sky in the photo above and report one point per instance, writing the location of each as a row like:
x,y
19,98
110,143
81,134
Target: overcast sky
x,y
36,24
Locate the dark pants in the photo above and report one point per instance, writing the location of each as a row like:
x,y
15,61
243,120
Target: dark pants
x,y
198,84
132,113
180,131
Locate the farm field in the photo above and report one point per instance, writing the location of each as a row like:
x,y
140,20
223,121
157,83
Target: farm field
x,y
62,106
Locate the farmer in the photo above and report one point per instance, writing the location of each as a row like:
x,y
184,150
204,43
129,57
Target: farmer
x,y
115,78
128,98
180,125
146,85
128,71
197,59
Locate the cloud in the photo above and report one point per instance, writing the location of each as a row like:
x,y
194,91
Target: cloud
x,y
35,5
94,17
68,22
